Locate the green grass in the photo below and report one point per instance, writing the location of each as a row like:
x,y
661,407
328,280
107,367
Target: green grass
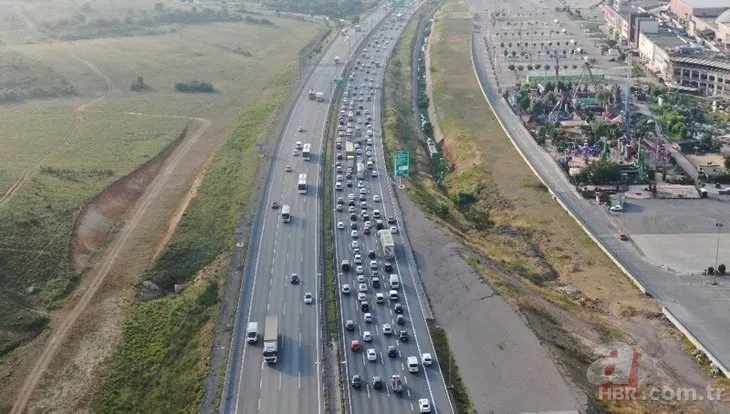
x,y
159,367
450,371
23,78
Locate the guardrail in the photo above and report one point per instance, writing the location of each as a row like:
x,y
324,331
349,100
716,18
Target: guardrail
x,y
482,77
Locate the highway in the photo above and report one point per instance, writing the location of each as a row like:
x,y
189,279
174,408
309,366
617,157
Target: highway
x,y
428,383
277,250
687,300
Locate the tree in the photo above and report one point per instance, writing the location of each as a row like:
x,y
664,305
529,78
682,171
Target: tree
x,y
506,53
514,53
727,163
546,67
603,97
138,84
537,66
721,269
356,19
511,67
529,67
520,68
600,173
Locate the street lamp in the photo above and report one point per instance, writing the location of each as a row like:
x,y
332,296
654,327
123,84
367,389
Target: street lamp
x,y
717,251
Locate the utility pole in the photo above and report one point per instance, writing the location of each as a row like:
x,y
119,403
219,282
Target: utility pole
x,y
717,252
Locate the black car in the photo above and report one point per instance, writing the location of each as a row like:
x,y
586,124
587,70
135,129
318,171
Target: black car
x,y
274,205
350,325
364,306
377,383
403,336
356,381
349,184
294,279
392,352
353,217
340,200
375,281
388,266
351,203
398,308
400,320
353,225
371,254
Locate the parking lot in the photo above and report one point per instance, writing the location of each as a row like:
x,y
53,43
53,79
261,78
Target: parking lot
x,y
679,235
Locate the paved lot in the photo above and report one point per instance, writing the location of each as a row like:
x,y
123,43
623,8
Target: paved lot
x,y
679,235
502,363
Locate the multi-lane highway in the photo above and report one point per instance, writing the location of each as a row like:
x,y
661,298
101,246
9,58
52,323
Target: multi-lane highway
x,y
278,250
359,114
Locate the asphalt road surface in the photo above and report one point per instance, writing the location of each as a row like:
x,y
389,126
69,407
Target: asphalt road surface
x,y
278,249
700,307
428,382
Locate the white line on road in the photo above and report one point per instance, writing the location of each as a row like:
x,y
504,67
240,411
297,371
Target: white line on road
x,y
363,359
259,405
283,312
268,305
300,339
409,393
367,388
279,381
299,378
409,396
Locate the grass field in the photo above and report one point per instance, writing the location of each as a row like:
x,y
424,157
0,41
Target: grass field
x,y
63,151
161,370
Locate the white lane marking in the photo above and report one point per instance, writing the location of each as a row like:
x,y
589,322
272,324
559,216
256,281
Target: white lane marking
x,y
259,404
299,379
367,388
300,340
362,356
409,395
268,306
283,312
280,381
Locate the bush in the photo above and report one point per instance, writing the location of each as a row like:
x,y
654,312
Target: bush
x,y
721,269
195,86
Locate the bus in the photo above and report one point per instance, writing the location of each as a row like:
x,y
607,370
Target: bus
x,y
302,186
286,213
307,152
386,244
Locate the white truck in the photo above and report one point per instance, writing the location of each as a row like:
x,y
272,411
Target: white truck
x,y
320,96
360,170
271,339
252,332
349,149
386,244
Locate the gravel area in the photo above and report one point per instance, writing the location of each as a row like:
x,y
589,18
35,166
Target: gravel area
x,y
500,360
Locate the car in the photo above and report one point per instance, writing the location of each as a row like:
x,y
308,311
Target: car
x,y
339,207
294,279
340,225
368,317
379,297
369,153
358,258
295,152
355,244
351,196
400,319
354,234
298,145
376,198
275,205
360,278
375,282
391,220
426,359
377,383
288,168
392,352
360,184
348,184
398,308
403,335
623,237
367,336
363,191
351,209
424,406
364,306
346,289
361,296
388,266
359,269
340,201
356,381
353,225
373,264
371,253
371,355
350,325
355,345
308,298
300,129
387,329
362,287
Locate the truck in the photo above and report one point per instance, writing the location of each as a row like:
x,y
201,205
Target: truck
x,y
319,96
349,149
312,95
252,332
386,244
360,170
337,60
271,339
396,383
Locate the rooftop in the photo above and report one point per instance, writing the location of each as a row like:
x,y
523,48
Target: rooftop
x,y
701,4
702,60
666,39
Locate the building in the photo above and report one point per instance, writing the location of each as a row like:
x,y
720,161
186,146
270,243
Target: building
x,y
723,28
626,21
685,65
686,9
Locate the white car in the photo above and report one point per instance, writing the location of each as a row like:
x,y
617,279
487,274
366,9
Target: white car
x,y
340,225
424,406
373,264
339,208
362,287
359,270
363,190
360,278
372,355
355,244
354,233
298,145
426,359
393,229
361,297
346,289
379,298
308,298
358,258
376,197
367,336
387,329
368,317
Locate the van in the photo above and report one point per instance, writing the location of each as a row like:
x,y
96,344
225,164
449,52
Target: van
x,y
393,294
252,332
412,363
394,282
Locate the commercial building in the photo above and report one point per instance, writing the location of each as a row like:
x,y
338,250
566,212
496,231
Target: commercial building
x,y
686,9
626,21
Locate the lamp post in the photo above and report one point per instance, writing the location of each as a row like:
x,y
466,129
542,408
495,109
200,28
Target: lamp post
x,y
717,251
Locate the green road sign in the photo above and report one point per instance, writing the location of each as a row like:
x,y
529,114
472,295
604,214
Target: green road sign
x,y
339,81
401,163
